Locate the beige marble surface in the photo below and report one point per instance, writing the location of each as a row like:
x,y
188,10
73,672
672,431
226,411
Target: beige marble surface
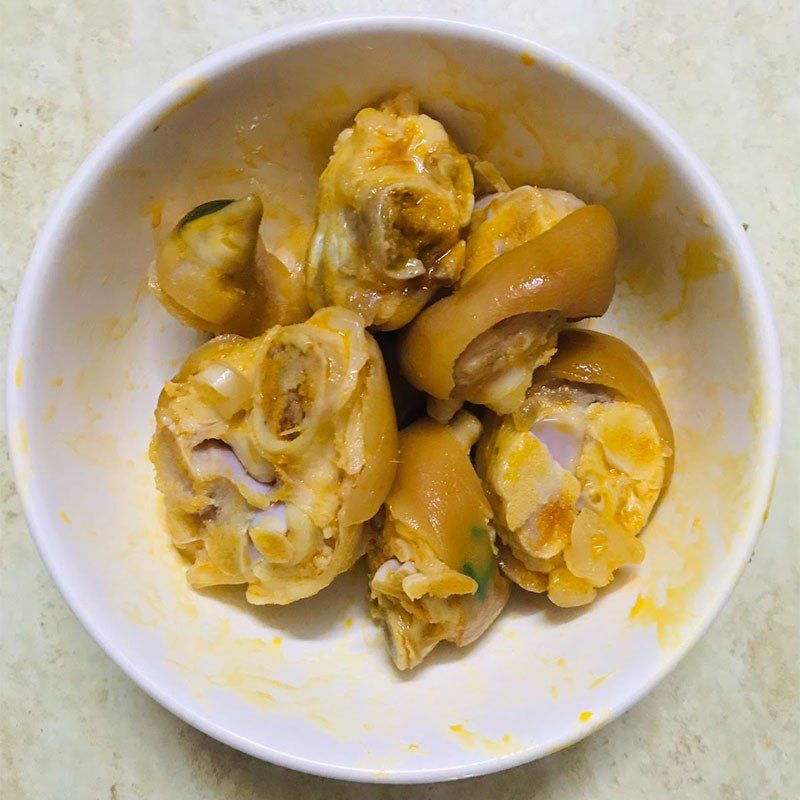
x,y
725,723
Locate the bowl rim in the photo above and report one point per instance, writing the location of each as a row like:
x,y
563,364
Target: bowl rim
x,y
141,119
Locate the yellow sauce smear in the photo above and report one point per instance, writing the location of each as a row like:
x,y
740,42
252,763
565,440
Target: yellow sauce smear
x,y
585,716
635,200
670,609
701,259
527,59
155,211
251,688
18,374
494,128
315,123
474,741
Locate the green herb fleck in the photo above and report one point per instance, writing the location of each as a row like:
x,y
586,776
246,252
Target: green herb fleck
x,y
480,564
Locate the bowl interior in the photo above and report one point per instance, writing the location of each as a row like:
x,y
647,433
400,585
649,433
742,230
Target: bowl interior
x,y
310,685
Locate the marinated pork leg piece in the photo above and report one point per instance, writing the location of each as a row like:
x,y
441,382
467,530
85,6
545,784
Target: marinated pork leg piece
x,y
392,208
433,566
214,274
574,474
482,343
273,453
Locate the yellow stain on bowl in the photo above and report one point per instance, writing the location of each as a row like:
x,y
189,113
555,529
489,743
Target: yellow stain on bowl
x,y
668,603
214,173
244,676
756,409
561,674
495,130
22,438
146,611
252,688
532,130
652,189
489,120
470,740
252,146
637,195
189,609
704,219
134,615
769,497
493,126
155,210
57,383
194,88
115,327
598,719
319,121
702,258
280,212
637,189
731,472
127,173
241,665
251,668
598,681
64,517
211,656
334,96
636,204
452,69
49,413
324,723
18,373
291,244
585,716
95,448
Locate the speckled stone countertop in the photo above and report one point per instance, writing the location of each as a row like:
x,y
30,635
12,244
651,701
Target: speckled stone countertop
x,y
725,723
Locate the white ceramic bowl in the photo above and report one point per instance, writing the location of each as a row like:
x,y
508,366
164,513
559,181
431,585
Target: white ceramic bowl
x,y
310,686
